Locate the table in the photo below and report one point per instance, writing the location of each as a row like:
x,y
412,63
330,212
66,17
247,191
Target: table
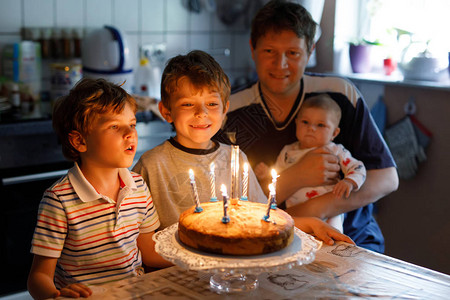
x,y
339,271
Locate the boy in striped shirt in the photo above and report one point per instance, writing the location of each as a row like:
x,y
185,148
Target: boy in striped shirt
x,y
95,224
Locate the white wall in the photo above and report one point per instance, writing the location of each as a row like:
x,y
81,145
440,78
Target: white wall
x,y
144,22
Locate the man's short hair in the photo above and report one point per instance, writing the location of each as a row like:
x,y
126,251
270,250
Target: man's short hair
x,y
278,15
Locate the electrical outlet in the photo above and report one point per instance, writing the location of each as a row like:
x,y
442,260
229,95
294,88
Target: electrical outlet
x,y
155,53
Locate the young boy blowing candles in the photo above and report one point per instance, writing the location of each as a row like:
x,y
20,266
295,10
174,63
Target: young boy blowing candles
x,y
194,98
96,223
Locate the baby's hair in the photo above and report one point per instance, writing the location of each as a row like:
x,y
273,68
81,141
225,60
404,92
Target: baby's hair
x,y
202,71
325,102
85,102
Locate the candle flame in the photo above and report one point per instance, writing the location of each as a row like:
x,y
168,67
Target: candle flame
x,y
246,168
191,174
212,167
271,189
274,174
223,189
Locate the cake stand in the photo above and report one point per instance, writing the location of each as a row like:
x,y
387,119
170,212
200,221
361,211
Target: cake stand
x,y
234,273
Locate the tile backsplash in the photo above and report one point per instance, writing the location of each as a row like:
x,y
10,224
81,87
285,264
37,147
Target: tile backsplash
x,y
144,22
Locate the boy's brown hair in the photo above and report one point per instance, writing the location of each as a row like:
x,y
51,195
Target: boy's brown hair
x,y
85,102
325,102
202,71
278,15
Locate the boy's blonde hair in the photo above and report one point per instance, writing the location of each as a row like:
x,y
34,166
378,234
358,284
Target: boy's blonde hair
x,y
202,71
85,102
325,102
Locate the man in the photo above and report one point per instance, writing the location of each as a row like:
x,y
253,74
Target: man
x,y
261,120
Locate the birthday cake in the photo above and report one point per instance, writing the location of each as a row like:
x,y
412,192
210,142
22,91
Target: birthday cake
x,y
249,231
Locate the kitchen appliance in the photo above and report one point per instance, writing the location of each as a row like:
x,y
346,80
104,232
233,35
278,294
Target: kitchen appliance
x,y
106,54
419,63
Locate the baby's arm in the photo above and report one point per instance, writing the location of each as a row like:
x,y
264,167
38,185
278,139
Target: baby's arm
x,y
41,285
344,187
321,230
354,173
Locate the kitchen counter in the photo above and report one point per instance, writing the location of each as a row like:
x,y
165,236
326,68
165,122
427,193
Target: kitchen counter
x,y
397,80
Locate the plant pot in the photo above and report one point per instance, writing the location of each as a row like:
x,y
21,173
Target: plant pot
x,y
360,58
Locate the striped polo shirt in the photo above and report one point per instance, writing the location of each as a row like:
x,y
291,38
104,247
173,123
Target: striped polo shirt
x,y
93,238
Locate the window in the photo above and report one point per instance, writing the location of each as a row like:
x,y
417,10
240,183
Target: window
x,y
388,21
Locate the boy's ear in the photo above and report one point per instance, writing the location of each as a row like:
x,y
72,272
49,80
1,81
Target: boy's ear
x,y
165,113
227,106
77,141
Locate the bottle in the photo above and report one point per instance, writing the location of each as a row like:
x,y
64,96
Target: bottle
x,y
143,77
56,44
67,43
155,90
15,95
46,34
77,34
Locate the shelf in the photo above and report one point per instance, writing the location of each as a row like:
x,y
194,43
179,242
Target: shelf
x,y
397,79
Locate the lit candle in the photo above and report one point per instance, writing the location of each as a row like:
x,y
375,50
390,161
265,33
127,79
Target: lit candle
x,y
270,200
198,208
225,218
274,182
234,173
245,183
212,180
274,178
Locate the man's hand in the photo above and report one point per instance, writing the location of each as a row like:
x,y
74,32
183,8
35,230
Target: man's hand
x,y
317,167
262,171
321,230
321,166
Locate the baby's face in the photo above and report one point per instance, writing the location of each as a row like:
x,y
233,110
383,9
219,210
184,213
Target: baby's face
x,y
316,127
197,114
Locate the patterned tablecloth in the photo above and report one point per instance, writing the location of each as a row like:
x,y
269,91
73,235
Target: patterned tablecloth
x,y
341,271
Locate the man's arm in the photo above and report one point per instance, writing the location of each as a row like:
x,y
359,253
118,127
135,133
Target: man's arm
x,y
379,183
321,230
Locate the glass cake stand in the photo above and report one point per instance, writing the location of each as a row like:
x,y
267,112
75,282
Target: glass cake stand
x,y
234,273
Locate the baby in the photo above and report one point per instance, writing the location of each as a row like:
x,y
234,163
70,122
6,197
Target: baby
x,y
317,125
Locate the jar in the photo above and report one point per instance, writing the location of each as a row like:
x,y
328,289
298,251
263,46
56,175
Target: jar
x,y
64,76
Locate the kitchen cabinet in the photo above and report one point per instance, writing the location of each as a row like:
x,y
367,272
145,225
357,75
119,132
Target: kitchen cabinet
x,y
414,219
